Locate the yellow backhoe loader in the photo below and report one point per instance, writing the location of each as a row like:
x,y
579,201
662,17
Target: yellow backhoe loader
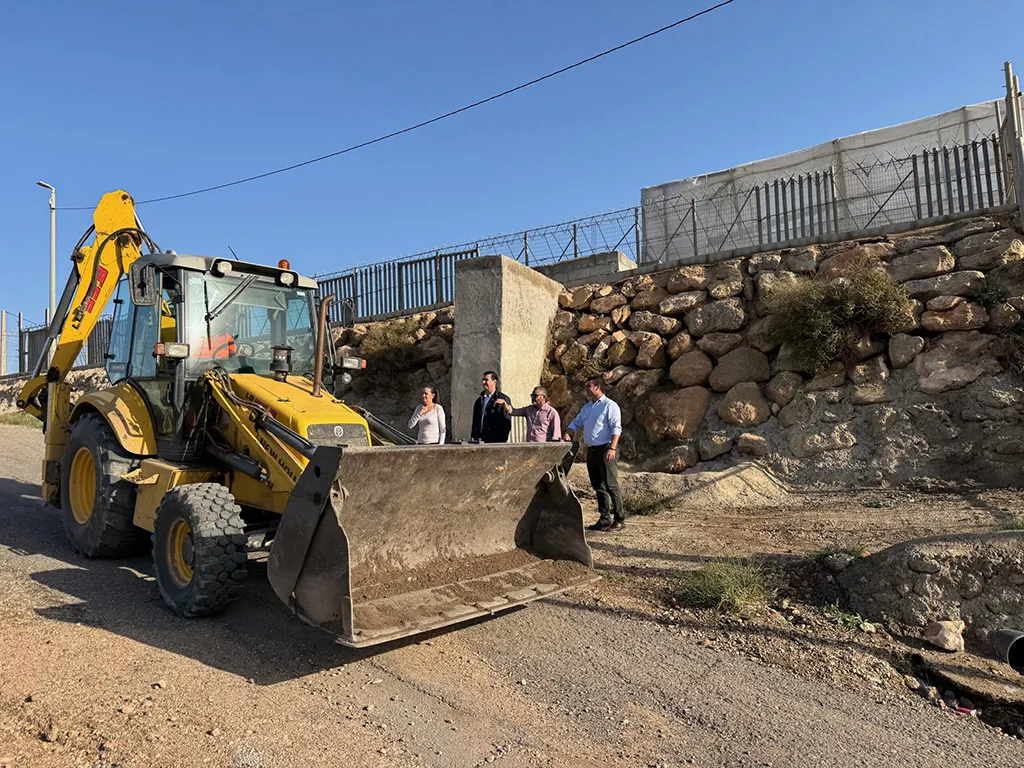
x,y
217,437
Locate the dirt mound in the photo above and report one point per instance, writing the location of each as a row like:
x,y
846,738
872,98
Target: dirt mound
x,y
744,485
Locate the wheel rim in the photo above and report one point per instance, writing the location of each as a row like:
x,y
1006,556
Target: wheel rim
x,y
180,552
83,485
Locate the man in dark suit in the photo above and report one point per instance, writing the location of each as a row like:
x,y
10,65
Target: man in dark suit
x,y
491,422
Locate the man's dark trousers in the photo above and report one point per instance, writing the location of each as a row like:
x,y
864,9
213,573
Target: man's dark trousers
x,y
604,477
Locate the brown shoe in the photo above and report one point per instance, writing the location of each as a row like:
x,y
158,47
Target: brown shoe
x,y
618,525
600,525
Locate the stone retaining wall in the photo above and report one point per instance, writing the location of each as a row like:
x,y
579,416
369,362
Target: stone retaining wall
x,y
685,352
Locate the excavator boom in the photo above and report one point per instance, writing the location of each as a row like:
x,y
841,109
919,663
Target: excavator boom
x,y
97,268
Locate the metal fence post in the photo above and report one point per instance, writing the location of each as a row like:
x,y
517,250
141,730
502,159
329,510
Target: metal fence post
x,y
1016,149
3,342
636,231
526,247
575,243
21,346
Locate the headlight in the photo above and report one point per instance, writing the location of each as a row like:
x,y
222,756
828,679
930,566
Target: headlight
x,y
346,378
222,268
286,279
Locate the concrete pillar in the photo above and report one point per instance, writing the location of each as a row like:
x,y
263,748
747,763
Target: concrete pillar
x,y
503,312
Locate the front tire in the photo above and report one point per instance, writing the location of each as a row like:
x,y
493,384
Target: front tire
x,y
199,549
97,506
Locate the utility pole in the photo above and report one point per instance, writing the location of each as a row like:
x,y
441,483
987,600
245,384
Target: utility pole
x,y
53,245
3,342
1014,118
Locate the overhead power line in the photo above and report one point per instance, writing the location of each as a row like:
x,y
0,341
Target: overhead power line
x,y
432,120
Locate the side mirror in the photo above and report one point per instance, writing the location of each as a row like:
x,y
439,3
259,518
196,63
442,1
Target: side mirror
x,y
348,313
142,281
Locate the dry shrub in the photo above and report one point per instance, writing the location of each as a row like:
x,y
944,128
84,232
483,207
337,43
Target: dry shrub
x,y
824,320
20,419
388,350
591,368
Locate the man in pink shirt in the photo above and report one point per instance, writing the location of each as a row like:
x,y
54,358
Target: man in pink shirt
x,y
542,422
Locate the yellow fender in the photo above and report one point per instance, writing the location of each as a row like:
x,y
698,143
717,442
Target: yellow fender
x,y
126,413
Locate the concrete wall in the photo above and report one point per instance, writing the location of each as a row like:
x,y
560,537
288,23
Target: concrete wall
x,y
599,267
504,313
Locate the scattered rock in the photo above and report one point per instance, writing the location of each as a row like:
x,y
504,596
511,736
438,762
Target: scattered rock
x,y
947,635
713,444
606,304
903,349
679,344
745,406
802,260
753,445
678,415
718,344
811,441
689,278
784,387
743,364
647,321
591,323
679,303
648,298
837,562
690,369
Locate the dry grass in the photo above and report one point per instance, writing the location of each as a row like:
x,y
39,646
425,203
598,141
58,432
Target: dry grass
x,y
823,321
645,503
731,586
591,368
20,419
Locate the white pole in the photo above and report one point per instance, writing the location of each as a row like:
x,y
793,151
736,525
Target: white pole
x,y
53,245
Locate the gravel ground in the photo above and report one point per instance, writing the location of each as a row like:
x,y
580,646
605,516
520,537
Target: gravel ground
x,y
96,672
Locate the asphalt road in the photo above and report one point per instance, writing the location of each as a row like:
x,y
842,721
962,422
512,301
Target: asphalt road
x,y
95,671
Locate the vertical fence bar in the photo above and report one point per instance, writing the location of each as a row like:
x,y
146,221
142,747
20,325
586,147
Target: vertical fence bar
x,y
760,231
3,342
21,345
977,174
792,202
778,228
693,225
938,180
829,224
835,197
575,243
785,212
810,204
767,211
959,178
803,228
928,183
817,197
917,186
949,180
526,247
965,149
988,172
636,231
999,166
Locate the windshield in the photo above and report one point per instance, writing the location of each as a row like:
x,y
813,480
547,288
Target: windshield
x,y
236,320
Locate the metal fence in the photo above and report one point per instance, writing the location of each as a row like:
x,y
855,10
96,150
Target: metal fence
x,y
93,355
427,279
915,187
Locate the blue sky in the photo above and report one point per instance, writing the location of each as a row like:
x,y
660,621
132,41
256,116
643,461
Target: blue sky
x,y
161,98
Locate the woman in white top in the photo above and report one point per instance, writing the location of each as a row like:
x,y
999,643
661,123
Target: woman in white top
x,y
430,418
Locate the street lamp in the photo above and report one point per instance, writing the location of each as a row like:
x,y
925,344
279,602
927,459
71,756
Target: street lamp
x,y
53,247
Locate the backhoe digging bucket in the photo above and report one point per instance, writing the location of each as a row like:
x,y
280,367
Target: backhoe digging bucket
x,y
381,543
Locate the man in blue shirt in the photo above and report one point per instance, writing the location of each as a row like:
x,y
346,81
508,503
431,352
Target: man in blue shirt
x,y
601,422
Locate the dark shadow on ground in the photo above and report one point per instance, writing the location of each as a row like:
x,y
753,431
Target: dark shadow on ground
x,y
257,638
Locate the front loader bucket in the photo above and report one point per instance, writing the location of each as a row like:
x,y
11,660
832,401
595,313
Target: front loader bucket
x,y
381,543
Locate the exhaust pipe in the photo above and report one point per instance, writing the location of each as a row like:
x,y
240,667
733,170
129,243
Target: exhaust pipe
x,y
321,340
1008,645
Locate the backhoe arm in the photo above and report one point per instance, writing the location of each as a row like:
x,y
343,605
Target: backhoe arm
x,y
94,276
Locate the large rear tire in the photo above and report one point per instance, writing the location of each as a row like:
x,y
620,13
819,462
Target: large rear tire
x,y
97,506
199,549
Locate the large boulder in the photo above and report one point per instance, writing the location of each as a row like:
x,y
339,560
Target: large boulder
x,y
802,260
743,364
927,262
680,303
691,368
718,344
745,406
851,259
726,315
679,344
958,359
591,323
688,278
675,415
963,283
1008,279
606,304
989,250
650,350
648,321
649,298
636,384
963,317
809,441
573,358
621,353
